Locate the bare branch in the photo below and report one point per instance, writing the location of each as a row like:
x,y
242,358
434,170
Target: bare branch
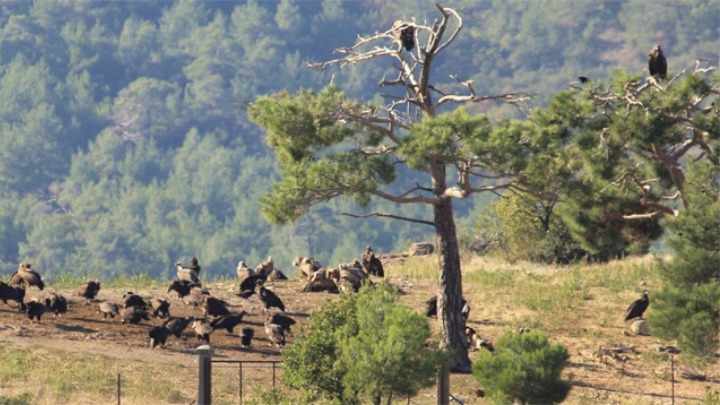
x,y
384,215
406,200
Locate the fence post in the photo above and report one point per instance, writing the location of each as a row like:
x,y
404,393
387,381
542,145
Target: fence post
x,y
443,386
204,375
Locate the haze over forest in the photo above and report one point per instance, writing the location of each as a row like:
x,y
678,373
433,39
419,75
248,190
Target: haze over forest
x,y
125,144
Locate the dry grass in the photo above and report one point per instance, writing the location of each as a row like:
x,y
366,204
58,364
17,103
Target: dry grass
x,y
580,306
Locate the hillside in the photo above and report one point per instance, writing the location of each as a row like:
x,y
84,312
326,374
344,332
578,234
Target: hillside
x,y
75,358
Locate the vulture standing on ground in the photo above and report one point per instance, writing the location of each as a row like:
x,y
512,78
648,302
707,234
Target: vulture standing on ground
x,y
187,274
246,337
283,320
245,294
25,274
657,64
176,326
215,307
405,33
637,308
431,308
130,299
250,282
56,303
158,336
108,308
89,290
181,287
227,322
202,330
34,309
275,333
134,315
160,307
243,271
14,293
371,263
269,299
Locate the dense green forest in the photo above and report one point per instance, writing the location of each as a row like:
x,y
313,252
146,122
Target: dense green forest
x,y
124,139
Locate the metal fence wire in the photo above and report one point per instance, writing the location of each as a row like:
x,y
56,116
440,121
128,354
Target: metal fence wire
x,y
234,379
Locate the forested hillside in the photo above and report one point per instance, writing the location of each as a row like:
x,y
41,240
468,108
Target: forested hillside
x,y
125,144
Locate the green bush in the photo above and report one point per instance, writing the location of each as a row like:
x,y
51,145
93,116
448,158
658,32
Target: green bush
x,y
22,399
364,349
523,368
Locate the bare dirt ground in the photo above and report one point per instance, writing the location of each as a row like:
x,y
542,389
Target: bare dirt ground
x,y
596,380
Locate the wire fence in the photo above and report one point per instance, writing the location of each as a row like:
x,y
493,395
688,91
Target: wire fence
x,y
234,380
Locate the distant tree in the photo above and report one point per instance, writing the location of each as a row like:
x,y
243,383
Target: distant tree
x,y
330,146
687,308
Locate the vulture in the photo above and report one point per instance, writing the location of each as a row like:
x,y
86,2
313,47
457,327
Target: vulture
x,y
276,274
130,299
265,267
243,271
405,33
202,330
250,282
34,309
186,274
108,308
637,308
160,307
194,266
431,308
25,274
227,322
197,296
584,79
269,299
372,264
14,293
246,337
657,64
215,307
89,290
181,287
176,326
134,315
275,333
283,320
306,265
158,336
56,303
245,294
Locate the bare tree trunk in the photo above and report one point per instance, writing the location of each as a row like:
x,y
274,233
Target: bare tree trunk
x,y
449,302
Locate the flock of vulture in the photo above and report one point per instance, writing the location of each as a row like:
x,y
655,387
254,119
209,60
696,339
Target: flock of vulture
x,y
216,312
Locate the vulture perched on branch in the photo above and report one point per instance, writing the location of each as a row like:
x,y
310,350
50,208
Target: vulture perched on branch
x,y
657,64
25,274
405,33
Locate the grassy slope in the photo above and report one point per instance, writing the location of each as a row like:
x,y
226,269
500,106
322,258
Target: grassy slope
x,y
580,306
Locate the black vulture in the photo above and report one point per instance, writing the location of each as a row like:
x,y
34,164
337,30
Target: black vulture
x,y
194,265
108,308
13,293
160,307
405,33
202,330
181,287
270,299
283,320
158,336
89,290
134,315
56,304
246,337
250,282
584,79
227,322
637,308
657,64
275,333
197,296
25,274
245,294
34,309
215,307
243,271
130,299
176,326
371,263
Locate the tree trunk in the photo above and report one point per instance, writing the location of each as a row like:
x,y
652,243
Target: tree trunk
x,y
449,300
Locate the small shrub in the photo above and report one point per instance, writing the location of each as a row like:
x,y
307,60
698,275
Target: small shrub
x,y
523,368
22,399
